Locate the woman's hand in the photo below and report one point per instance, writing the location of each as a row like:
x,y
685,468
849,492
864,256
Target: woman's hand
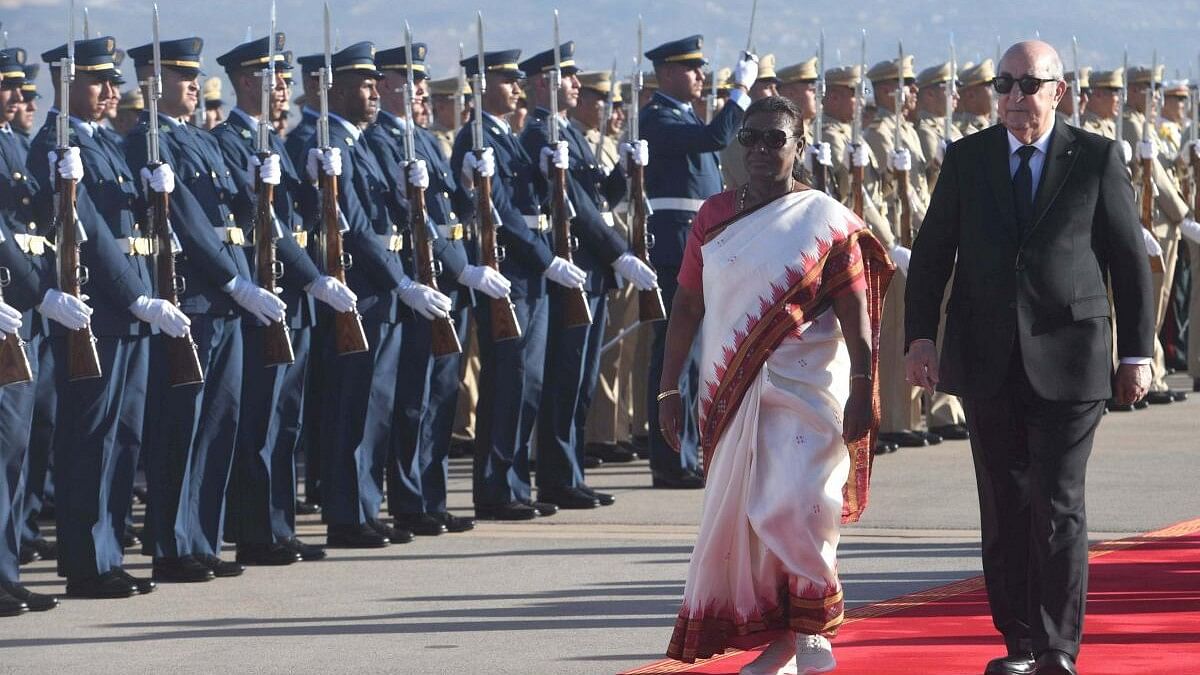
x,y
670,419
857,418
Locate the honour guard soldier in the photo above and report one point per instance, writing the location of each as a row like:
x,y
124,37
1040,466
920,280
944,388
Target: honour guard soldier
x,y
798,84
1103,109
261,498
214,105
931,117
1068,105
686,171
22,124
975,102
129,112
299,139
573,351
443,95
733,156
190,455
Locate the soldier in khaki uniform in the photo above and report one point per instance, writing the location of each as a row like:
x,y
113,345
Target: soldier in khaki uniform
x,y
723,87
798,83
213,113
442,95
931,117
1174,129
975,103
1170,209
1068,104
1104,105
733,157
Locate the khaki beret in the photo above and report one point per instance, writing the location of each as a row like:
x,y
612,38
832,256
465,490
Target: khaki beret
x,y
1141,74
846,76
724,79
1085,75
650,81
888,71
971,74
599,81
805,71
1108,79
766,67
1179,88
212,89
448,87
132,100
934,75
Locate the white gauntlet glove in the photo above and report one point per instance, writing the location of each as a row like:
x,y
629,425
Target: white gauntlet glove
x,y
263,304
1152,247
901,257
328,162
856,155
558,156
1146,150
65,310
564,273
485,280
485,164
817,154
270,171
1126,151
333,293
425,301
900,160
70,167
639,152
10,319
417,175
161,179
1191,231
746,70
161,315
637,272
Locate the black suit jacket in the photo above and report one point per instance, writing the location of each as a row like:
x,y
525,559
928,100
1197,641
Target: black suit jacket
x,y
1047,290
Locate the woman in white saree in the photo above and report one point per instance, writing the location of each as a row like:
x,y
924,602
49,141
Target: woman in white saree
x,y
783,286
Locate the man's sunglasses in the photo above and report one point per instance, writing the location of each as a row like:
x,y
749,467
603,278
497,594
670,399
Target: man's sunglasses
x,y
770,138
1029,84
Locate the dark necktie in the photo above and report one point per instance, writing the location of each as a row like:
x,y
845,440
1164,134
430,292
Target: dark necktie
x,y
1023,189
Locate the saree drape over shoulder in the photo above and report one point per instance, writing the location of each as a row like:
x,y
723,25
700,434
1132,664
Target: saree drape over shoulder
x,y
775,377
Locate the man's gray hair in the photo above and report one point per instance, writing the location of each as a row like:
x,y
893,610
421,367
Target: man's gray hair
x,y
1049,64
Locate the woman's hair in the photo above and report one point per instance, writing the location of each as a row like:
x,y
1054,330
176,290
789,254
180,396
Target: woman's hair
x,y
779,105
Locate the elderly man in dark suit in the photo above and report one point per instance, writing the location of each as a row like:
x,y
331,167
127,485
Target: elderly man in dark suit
x,y
1036,221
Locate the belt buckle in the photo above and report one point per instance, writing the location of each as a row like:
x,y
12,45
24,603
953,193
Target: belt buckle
x,y
395,243
301,237
235,236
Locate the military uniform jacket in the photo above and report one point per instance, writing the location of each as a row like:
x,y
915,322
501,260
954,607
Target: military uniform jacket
x,y
590,192
880,136
606,150
517,190
1170,206
27,282
685,165
203,201
108,208
969,124
931,129
300,138
238,141
838,135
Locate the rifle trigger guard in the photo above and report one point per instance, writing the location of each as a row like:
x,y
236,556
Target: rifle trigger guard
x,y
650,240
501,253
347,260
81,273
436,268
277,270
573,242
5,277
180,284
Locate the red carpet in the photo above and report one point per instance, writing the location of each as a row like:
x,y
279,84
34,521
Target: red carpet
x,y
1143,616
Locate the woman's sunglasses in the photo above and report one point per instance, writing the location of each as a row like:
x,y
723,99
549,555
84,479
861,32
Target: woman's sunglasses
x,y
770,138
1029,84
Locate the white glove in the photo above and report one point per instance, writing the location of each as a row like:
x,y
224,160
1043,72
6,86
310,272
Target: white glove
x,y
1190,230
161,179
64,309
70,167
639,152
333,293
564,273
485,280
900,160
427,302
637,272
1127,151
328,162
263,304
417,174
485,164
270,171
940,153
901,257
558,156
1146,150
10,319
1151,241
161,315
746,70
856,155
820,154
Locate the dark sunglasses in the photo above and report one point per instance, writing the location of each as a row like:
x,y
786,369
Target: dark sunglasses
x,y
770,138
1029,84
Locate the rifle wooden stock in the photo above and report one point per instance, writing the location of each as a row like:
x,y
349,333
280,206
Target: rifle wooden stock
x,y
83,361
906,236
444,338
576,311
1156,263
349,336
277,342
857,176
503,314
14,362
650,303
183,363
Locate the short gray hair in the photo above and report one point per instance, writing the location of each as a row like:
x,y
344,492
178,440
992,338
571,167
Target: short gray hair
x,y
1048,62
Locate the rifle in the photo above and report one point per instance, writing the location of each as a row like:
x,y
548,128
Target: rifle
x,y
502,311
444,339
951,92
183,363
994,112
459,92
576,311
820,177
710,99
1075,82
277,341
650,303
349,336
83,361
1156,263
905,215
1123,97
606,118
1193,159
857,173
14,362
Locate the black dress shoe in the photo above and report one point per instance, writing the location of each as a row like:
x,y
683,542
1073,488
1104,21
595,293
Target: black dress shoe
x,y
1013,664
353,536
268,555
183,570
307,552
885,447
107,586
509,511
221,568
28,555
638,445
609,452
931,438
568,498
1178,394
307,509
420,524
10,606
396,535
951,432
1054,662
904,439
684,481
1112,406
130,539
604,498
592,462
543,509
36,602
139,494
455,523
144,586
1159,398
460,449
1141,404
47,549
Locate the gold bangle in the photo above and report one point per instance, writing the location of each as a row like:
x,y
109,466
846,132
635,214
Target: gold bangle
x,y
667,394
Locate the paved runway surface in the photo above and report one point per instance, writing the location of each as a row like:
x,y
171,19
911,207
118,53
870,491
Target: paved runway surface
x,y
580,592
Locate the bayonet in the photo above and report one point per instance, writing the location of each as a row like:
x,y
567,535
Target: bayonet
x,y
1075,82
951,91
1122,97
650,302
555,86
460,91
86,29
994,113
750,33
820,177
858,173
710,100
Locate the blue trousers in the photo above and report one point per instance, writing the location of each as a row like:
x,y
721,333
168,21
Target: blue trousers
x,y
662,458
510,390
437,425
39,478
189,461
95,453
412,402
16,415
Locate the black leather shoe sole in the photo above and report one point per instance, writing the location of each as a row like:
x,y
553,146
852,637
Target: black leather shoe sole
x,y
108,586
36,602
455,524
1010,665
307,552
686,481
573,500
395,535
904,439
952,432
272,555
420,524
507,512
182,571
364,538
144,586
1159,398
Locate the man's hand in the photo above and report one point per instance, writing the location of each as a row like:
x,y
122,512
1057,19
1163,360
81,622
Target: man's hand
x,y
746,71
485,280
270,171
484,163
565,274
638,273
65,309
638,151
1133,382
856,155
900,160
161,179
328,162
70,167
921,364
333,293
557,156
417,175
10,320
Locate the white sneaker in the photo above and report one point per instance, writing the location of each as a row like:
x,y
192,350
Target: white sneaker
x,y
774,660
814,654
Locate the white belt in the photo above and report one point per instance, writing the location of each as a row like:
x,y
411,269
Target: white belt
x,y
608,218
391,242
135,245
539,223
451,232
676,204
231,235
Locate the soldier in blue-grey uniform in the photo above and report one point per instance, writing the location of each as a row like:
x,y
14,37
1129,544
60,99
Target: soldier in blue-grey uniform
x,y
261,499
573,352
189,458
685,171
